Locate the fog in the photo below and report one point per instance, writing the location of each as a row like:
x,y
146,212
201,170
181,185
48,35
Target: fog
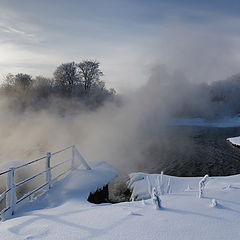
x,y
122,132
112,133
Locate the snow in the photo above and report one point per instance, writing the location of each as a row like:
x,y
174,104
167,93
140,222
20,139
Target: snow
x,y
201,122
64,212
235,141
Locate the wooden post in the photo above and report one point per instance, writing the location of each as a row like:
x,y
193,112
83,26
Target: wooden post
x,y
11,195
48,171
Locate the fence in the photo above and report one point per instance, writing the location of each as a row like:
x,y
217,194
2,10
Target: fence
x,y
11,187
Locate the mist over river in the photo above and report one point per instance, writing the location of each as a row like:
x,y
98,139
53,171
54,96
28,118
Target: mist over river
x,y
193,151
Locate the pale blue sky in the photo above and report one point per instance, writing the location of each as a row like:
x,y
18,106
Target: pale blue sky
x,y
199,38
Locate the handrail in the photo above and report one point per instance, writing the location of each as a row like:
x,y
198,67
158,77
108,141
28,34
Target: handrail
x,y
4,194
30,193
57,165
4,172
30,178
36,160
4,210
28,163
61,174
36,175
62,150
10,193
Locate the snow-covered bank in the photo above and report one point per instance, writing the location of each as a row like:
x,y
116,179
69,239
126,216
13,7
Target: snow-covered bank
x,y
78,185
182,216
201,122
234,141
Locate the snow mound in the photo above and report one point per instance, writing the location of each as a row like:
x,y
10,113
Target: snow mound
x,y
182,215
142,184
234,141
76,186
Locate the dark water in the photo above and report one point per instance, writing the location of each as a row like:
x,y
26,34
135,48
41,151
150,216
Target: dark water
x,y
193,151
185,151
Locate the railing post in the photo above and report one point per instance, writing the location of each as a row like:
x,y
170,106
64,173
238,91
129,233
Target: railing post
x,y
48,171
73,157
11,195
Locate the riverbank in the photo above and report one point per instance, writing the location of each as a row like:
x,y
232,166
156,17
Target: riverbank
x,y
182,216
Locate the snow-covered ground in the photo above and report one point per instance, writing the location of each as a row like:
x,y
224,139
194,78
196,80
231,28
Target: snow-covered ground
x,y
64,213
235,141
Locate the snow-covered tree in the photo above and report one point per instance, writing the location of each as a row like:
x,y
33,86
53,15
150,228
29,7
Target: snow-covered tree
x,y
19,81
90,73
66,75
160,184
156,199
168,190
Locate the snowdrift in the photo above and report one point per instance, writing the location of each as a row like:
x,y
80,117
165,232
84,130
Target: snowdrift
x,y
66,214
234,141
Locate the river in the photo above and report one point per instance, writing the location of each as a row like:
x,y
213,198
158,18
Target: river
x,y
186,151
194,151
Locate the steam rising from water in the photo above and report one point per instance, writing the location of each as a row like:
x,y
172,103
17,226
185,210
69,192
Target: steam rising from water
x,y
120,134
113,133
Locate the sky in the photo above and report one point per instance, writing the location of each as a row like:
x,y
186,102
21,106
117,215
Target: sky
x,y
201,39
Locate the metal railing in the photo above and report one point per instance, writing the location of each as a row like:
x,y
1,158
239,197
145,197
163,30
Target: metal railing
x,y
11,186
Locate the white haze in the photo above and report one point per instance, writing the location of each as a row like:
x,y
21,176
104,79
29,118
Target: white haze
x,y
118,134
204,45
113,133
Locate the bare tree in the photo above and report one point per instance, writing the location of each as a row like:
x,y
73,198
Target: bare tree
x,y
71,81
19,81
66,75
89,73
42,86
23,81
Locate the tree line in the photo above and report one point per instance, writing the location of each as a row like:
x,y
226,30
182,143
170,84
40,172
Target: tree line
x,y
79,85
72,83
210,100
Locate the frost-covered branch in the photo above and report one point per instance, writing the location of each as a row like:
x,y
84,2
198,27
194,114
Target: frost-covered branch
x,y
202,184
156,199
